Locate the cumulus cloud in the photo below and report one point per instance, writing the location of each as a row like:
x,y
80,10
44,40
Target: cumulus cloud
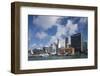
x,y
41,35
39,46
53,39
64,30
61,30
45,22
71,28
83,20
34,45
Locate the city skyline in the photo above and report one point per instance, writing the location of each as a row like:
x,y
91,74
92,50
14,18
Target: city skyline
x,y
44,30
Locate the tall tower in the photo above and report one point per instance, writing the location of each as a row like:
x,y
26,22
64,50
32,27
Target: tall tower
x,y
57,46
66,42
76,42
57,43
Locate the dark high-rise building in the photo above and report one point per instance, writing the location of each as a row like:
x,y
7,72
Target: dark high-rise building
x,y
66,42
57,46
76,42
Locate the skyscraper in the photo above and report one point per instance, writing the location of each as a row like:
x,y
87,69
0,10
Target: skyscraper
x,y
66,42
76,42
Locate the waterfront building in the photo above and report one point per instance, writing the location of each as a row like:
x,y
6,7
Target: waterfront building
x,y
76,42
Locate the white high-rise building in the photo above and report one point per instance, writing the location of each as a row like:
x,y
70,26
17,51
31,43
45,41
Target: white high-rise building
x,y
61,43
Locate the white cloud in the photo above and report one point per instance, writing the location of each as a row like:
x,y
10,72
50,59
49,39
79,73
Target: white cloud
x,y
83,20
67,30
53,39
61,30
39,46
34,45
41,35
71,28
45,22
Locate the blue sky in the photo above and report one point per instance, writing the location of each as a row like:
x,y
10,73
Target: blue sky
x,y
44,30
